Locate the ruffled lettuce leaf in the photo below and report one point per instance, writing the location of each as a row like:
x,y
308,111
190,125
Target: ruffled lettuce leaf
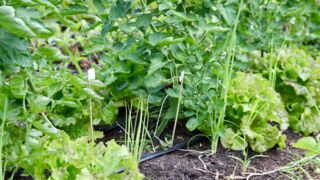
x,y
298,82
64,158
256,112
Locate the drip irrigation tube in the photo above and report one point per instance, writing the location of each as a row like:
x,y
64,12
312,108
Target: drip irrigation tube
x,y
181,145
149,156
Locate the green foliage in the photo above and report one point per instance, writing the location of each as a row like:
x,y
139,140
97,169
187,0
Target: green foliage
x,y
63,158
309,144
140,48
21,27
300,73
298,83
63,97
14,51
256,113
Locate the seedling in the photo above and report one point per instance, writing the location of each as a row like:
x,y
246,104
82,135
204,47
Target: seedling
x,y
137,130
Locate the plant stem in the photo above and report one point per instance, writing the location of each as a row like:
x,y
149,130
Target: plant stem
x,y
2,129
156,133
73,59
48,120
226,81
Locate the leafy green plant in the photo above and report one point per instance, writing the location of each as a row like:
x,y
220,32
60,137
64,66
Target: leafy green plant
x,y
298,81
246,161
64,158
253,106
309,144
140,48
19,26
14,51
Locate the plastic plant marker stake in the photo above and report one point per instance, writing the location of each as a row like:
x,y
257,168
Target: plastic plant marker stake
x,y
91,76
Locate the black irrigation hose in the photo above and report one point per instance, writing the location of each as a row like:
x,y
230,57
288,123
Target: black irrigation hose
x,y
181,145
148,156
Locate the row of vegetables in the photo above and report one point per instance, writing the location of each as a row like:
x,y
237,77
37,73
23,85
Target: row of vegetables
x,y
243,72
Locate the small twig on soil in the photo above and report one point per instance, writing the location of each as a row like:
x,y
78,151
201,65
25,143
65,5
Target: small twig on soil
x,y
280,169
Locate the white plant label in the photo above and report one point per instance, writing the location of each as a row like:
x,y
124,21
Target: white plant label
x,y
181,76
91,74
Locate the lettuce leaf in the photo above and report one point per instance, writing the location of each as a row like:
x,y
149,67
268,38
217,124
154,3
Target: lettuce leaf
x,y
298,82
256,112
64,158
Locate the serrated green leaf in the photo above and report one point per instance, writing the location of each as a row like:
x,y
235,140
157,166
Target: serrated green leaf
x,y
119,9
97,83
174,92
13,50
110,112
182,16
67,103
17,86
92,94
14,25
54,88
135,58
105,29
225,13
50,53
170,40
39,29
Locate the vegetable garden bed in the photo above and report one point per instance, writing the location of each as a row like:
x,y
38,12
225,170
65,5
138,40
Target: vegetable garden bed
x,y
118,89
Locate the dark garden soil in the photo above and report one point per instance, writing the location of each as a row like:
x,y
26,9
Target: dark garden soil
x,y
196,163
